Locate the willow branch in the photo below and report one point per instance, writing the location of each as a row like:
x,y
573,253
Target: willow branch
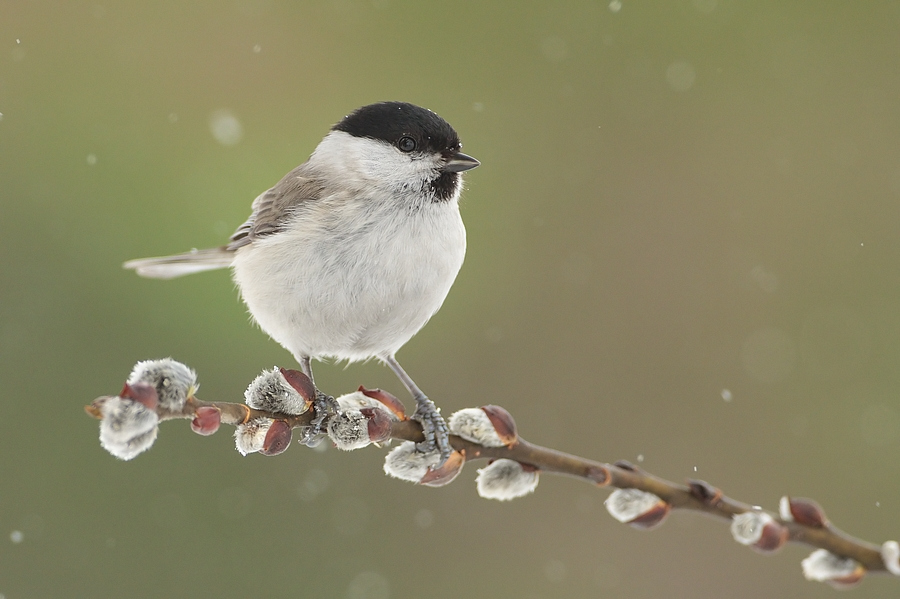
x,y
697,495
799,521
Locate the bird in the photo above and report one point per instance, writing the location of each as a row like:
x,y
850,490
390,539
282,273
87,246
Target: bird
x,y
351,253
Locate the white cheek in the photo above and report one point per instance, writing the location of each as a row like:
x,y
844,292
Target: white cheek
x,y
367,163
392,167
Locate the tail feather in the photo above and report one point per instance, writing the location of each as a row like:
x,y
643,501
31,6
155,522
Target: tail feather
x,y
169,267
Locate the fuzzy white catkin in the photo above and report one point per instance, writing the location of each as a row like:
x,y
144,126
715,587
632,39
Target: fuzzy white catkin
x,y
127,428
472,424
405,463
822,566
358,400
505,479
627,504
270,392
784,509
250,436
747,528
890,553
174,381
127,450
349,430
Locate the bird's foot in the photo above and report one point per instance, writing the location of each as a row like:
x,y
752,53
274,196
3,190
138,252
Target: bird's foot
x,y
324,406
437,435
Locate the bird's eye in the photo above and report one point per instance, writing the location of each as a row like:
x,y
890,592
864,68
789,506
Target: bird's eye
x,y
406,144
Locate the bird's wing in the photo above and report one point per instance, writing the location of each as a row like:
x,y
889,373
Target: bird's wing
x,y
273,208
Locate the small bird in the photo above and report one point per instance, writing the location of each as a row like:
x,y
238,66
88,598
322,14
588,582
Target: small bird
x,y
350,254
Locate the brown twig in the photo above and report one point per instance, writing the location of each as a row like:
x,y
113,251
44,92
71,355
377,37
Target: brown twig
x,y
695,495
625,476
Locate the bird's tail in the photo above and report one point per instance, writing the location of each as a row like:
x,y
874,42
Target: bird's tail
x,y
169,267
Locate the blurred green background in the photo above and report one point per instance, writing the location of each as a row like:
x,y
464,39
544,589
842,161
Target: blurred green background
x,y
683,250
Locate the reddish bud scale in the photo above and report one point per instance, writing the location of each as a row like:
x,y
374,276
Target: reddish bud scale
x,y
774,536
93,408
278,438
206,420
759,531
849,581
143,393
652,517
378,424
626,465
704,492
394,405
300,382
503,423
807,512
446,473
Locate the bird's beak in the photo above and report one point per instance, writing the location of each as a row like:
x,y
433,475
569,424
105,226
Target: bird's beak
x,y
458,162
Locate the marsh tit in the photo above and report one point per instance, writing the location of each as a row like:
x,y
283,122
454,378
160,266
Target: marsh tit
x,y
351,253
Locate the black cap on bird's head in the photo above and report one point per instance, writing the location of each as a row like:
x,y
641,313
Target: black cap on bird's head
x,y
411,129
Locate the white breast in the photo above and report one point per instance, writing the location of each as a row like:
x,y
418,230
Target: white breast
x,y
352,279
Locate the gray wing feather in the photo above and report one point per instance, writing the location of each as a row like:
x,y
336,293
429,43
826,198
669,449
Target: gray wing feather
x,y
271,210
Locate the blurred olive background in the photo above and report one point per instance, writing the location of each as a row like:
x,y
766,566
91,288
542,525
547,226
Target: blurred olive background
x,y
683,251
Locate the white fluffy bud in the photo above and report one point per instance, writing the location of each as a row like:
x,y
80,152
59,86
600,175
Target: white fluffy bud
x,y
627,504
890,553
637,508
271,392
349,430
127,427
784,509
174,381
505,479
824,566
472,424
758,530
359,400
747,528
250,436
405,463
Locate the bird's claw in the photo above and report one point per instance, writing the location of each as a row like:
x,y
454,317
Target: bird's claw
x,y
324,406
437,435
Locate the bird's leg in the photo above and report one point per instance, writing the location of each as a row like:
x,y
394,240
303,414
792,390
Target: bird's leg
x,y
306,368
437,436
324,405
